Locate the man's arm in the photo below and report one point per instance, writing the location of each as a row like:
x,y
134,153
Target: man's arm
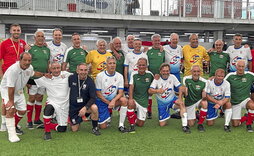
x,y
250,65
126,76
10,103
100,96
92,95
117,97
1,71
64,66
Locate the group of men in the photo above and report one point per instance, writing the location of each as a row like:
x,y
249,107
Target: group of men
x,y
81,84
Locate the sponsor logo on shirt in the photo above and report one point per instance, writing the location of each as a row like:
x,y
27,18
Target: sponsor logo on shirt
x,y
175,60
235,60
166,93
244,80
101,66
146,79
198,87
111,89
194,59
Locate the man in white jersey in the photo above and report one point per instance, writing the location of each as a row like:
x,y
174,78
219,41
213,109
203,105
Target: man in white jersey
x,y
238,52
130,62
218,95
12,85
57,48
109,90
57,90
166,98
129,47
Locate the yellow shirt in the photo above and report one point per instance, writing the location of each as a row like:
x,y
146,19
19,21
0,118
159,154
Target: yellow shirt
x,y
98,61
193,56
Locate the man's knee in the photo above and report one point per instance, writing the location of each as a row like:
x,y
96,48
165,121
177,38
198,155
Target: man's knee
x,y
123,101
94,108
21,112
49,110
61,128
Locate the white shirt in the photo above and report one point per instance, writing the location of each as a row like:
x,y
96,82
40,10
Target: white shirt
x,y
173,57
127,50
109,84
236,54
17,78
57,52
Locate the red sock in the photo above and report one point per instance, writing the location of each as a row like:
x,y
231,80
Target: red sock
x,y
110,111
37,112
17,118
47,124
149,108
29,114
53,126
243,119
250,117
202,117
131,117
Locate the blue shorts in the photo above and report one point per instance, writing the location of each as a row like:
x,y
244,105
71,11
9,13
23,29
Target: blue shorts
x,y
164,110
177,75
212,113
104,114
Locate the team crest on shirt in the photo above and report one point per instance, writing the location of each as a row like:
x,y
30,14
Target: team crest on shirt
x,y
74,84
194,59
244,79
147,79
166,93
84,86
175,60
235,60
44,51
221,56
101,66
111,89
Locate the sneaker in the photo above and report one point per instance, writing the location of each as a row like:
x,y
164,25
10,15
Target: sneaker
x,y
47,136
201,128
249,129
149,115
41,126
123,129
176,115
221,114
96,131
30,125
38,122
132,129
19,131
14,138
227,128
3,127
186,129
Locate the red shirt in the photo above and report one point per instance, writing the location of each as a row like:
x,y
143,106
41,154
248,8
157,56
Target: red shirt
x,y
10,54
252,54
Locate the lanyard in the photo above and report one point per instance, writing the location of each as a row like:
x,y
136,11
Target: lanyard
x,y
17,51
80,86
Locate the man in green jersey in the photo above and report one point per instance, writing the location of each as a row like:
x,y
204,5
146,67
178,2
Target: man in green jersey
x,y
140,82
218,59
195,96
118,54
40,61
240,84
75,54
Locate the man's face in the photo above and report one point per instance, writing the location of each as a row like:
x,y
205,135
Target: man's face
x,y
174,39
219,77
25,61
142,65
15,32
194,41
156,42
55,69
111,65
117,44
218,46
240,67
39,38
76,41
130,40
195,72
237,41
57,36
165,72
137,45
82,71
101,46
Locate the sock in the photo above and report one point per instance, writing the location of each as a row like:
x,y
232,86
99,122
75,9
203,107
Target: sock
x,y
243,119
18,117
110,111
184,119
95,123
228,114
53,126
38,107
202,117
10,124
46,120
131,116
30,108
3,119
250,117
150,102
123,112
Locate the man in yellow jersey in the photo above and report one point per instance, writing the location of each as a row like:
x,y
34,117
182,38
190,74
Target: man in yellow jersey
x,y
194,54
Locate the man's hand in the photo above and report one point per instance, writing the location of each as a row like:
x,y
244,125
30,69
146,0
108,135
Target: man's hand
x,y
27,47
126,84
160,90
82,112
117,55
9,105
48,75
84,47
112,104
161,48
157,76
216,106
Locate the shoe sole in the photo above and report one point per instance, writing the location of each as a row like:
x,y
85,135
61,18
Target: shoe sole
x,y
19,133
30,128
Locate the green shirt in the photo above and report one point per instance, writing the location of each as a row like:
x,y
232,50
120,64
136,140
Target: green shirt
x,y
141,85
40,58
74,56
240,86
155,59
119,62
218,60
195,89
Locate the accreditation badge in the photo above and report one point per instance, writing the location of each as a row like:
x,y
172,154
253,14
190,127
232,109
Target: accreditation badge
x,y
79,99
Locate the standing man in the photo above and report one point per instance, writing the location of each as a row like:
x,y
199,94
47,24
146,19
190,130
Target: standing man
x,y
138,94
194,54
109,91
240,84
10,51
155,58
238,52
13,98
57,47
40,61
82,99
218,59
129,47
75,54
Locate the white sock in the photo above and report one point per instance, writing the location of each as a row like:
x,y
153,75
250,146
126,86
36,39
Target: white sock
x,y
123,112
38,103
30,103
10,124
228,114
3,119
184,119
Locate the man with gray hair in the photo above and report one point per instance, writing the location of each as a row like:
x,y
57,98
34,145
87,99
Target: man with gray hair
x,y
40,61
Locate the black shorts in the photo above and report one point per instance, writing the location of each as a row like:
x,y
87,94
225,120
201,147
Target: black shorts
x,y
74,118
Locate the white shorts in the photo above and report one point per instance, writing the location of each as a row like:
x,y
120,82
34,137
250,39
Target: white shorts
x,y
33,90
237,109
191,111
61,114
141,112
19,102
